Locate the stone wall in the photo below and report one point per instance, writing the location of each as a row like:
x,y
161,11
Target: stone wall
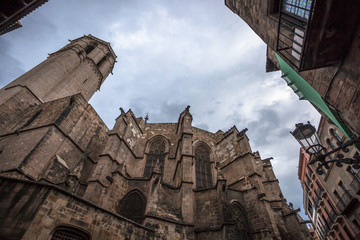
x,y
33,210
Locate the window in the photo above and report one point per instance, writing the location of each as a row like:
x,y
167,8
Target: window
x,y
310,209
344,188
156,153
239,217
283,233
330,143
335,134
69,233
333,211
202,165
90,47
353,173
319,186
299,8
101,62
132,206
336,194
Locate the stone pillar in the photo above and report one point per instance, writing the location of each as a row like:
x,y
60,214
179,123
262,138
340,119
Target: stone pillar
x,y
185,132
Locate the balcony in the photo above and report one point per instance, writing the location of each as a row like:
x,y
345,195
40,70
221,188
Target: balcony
x,y
355,184
316,33
346,203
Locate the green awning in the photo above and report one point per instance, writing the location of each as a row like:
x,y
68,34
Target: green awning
x,y
305,91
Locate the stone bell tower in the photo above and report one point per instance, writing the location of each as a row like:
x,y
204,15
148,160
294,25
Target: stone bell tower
x,y
79,67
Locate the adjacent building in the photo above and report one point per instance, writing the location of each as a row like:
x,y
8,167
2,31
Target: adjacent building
x,y
11,11
331,200
65,175
319,40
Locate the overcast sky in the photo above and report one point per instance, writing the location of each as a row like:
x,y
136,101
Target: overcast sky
x,y
172,54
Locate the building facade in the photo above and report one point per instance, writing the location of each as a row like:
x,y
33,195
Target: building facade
x,y
65,175
319,40
331,200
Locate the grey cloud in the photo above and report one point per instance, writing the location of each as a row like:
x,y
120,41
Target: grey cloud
x,y
265,127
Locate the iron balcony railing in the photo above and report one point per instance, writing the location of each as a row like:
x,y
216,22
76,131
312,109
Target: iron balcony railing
x,y
344,201
355,184
294,17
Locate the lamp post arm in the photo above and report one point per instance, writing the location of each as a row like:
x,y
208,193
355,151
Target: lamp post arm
x,y
346,144
338,163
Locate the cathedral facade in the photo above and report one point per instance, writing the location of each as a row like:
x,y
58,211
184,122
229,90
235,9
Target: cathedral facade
x,y
65,175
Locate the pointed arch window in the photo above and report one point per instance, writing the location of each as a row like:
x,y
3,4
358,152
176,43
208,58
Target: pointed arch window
x,y
283,233
239,217
69,233
132,206
202,167
156,153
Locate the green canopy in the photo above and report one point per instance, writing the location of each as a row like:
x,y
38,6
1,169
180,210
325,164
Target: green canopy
x,y
305,91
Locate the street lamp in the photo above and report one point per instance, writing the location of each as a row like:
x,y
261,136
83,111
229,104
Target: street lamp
x,y
306,135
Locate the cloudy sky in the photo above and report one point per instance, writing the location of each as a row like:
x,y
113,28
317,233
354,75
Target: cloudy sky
x,y
172,54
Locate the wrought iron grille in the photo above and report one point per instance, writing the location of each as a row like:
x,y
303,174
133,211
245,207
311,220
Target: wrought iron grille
x,y
68,233
294,16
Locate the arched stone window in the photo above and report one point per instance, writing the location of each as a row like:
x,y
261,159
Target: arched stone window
x,y
156,153
69,233
90,47
240,219
330,143
132,206
202,167
283,233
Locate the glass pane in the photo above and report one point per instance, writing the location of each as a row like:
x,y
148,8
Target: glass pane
x,y
300,8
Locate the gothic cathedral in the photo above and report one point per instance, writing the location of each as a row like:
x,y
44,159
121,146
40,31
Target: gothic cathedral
x,y
65,175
